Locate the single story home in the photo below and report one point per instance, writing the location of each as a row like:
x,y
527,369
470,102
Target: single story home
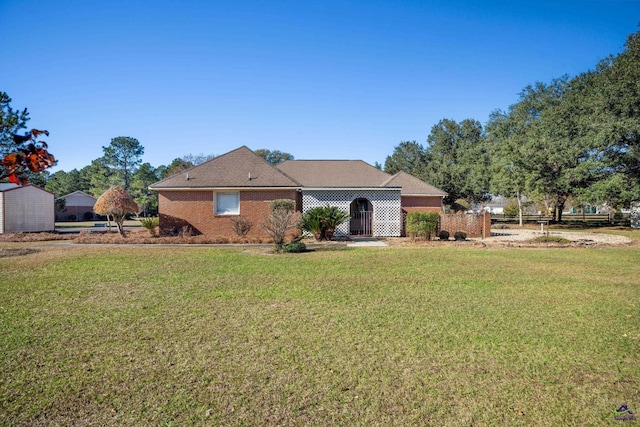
x,y
77,206
240,184
25,209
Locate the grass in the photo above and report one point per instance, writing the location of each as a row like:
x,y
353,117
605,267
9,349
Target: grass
x,y
367,336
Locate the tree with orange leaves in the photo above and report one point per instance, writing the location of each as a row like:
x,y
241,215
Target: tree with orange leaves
x,y
117,203
20,154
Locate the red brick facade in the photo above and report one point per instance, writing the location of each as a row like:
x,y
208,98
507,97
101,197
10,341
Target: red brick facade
x,y
196,209
421,204
475,225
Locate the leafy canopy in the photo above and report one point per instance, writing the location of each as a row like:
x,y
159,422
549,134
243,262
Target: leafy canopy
x,y
21,155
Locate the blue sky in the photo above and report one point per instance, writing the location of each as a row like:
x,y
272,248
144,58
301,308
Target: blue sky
x,y
320,80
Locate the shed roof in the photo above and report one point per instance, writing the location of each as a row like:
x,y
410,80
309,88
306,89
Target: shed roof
x,y
240,168
5,186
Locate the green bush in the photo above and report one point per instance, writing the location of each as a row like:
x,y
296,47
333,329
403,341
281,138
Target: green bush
x,y
443,235
322,221
150,223
422,224
511,208
460,235
295,247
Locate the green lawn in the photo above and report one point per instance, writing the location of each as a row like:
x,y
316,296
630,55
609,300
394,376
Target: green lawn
x,y
367,336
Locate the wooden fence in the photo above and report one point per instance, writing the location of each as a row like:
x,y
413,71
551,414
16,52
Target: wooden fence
x,y
576,218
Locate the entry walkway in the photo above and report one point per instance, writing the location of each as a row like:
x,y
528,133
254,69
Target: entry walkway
x,y
365,241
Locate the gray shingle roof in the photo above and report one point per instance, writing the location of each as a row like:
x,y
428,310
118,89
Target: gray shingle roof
x,y
413,186
334,173
240,168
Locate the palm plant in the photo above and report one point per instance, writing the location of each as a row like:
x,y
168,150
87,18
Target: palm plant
x,y
322,222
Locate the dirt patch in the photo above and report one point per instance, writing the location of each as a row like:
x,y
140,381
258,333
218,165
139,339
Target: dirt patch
x,y
34,237
5,253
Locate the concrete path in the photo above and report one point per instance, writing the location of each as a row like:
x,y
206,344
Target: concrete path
x,y
365,241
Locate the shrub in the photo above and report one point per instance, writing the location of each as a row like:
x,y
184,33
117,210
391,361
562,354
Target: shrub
x,y
443,235
282,219
72,217
185,231
511,208
286,204
460,235
322,221
150,223
241,226
295,247
422,224
88,216
551,239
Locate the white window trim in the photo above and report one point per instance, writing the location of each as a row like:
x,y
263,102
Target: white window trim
x,y
226,212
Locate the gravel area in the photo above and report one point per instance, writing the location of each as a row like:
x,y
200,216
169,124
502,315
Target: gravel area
x,y
521,235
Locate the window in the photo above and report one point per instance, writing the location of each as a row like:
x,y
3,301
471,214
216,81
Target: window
x,y
227,203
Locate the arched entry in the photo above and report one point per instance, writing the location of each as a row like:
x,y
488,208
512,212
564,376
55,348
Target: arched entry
x,y
361,211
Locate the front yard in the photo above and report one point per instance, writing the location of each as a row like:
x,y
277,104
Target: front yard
x,y
238,336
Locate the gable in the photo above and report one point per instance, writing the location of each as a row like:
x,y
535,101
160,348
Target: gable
x,y
412,186
240,168
78,198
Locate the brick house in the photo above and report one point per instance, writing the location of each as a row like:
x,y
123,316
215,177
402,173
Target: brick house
x,y
77,206
240,184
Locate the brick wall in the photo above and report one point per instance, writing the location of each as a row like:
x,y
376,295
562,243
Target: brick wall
x,y
195,209
475,225
421,203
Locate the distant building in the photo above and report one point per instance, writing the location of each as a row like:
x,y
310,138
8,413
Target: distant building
x,y
78,206
25,209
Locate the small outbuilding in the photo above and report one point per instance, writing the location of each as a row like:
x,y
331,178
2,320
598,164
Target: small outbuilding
x,y
76,206
26,209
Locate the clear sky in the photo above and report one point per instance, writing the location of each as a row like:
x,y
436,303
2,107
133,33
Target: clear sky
x,y
318,79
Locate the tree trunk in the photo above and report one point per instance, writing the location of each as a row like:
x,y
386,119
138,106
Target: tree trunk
x,y
560,207
519,210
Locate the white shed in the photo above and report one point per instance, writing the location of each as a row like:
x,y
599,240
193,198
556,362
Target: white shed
x,y
26,209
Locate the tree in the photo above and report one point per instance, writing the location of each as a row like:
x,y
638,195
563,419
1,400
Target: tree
x,y
21,155
124,154
274,157
99,177
117,203
143,178
458,161
612,120
506,141
409,157
197,159
176,166
62,183
183,163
